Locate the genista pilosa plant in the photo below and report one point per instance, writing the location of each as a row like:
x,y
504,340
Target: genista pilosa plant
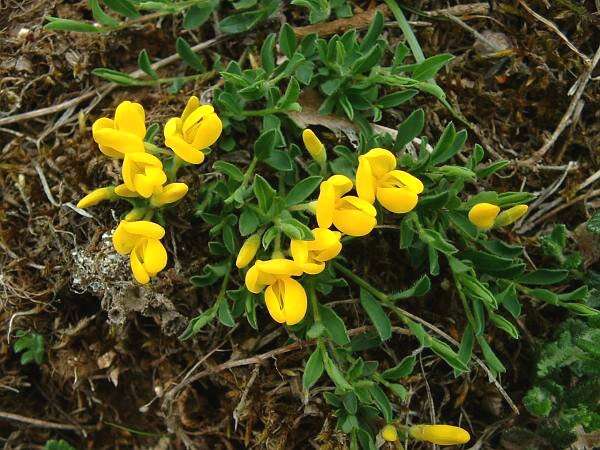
x,y
281,213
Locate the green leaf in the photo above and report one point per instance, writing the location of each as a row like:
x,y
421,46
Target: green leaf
x,y
302,190
544,277
420,288
431,66
146,65
198,14
266,53
445,352
437,241
32,347
238,23
538,402
116,77
58,24
229,169
409,129
376,314
248,222
291,95
280,160
402,370
58,445
265,144
334,325
490,357
593,225
504,325
187,54
287,40
264,192
373,33
199,322
319,10
100,16
350,402
123,7
396,98
224,314
313,370
334,373
382,402
485,172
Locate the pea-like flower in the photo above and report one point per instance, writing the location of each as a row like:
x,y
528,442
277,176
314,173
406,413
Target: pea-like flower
x,y
314,146
142,173
350,214
161,195
389,433
248,251
198,128
377,178
440,434
141,241
124,134
285,297
486,215
97,196
312,255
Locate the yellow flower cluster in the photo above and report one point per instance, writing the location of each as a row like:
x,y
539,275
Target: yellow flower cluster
x,y
353,215
144,177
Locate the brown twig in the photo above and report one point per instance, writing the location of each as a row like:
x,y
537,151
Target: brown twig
x,y
581,84
339,26
102,91
554,28
39,423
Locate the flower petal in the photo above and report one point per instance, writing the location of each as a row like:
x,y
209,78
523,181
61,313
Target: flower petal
x,y
382,161
325,205
207,132
397,199
123,191
139,272
294,301
354,222
121,141
406,179
123,241
279,267
195,117
155,257
130,117
366,184
144,228
171,193
192,104
482,215
143,185
299,250
352,202
341,184
184,150
274,302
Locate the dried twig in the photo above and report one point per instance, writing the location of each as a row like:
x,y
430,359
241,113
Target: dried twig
x,y
581,84
554,28
339,26
101,91
39,423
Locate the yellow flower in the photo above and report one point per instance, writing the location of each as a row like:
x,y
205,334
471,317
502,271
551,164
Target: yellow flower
x,y
170,193
440,434
248,251
483,215
314,146
123,134
198,127
351,215
285,297
376,178
96,196
511,215
311,255
141,241
389,433
142,173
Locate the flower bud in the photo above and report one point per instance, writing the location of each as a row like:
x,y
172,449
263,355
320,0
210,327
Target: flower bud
x,y
482,215
314,146
389,433
440,434
248,251
511,215
169,194
96,196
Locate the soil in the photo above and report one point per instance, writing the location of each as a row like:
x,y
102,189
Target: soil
x,y
112,354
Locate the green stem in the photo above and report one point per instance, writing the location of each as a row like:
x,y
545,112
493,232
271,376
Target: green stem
x,y
175,166
406,30
155,149
247,176
314,303
361,282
